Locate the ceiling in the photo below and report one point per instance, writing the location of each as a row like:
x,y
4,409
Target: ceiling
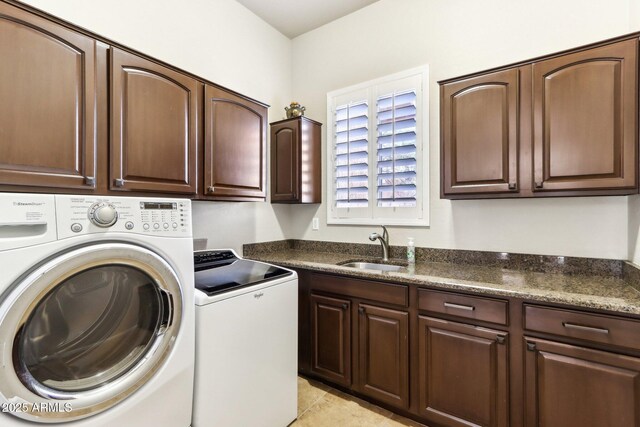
x,y
295,17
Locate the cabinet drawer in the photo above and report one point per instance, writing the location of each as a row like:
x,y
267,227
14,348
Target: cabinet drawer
x,y
478,308
585,326
365,289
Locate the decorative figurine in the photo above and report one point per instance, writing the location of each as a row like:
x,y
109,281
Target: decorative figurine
x,y
294,110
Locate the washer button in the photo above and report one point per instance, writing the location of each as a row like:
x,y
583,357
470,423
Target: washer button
x,y
175,225
128,225
165,225
76,228
145,226
156,226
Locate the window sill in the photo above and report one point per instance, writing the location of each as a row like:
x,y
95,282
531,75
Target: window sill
x,y
379,221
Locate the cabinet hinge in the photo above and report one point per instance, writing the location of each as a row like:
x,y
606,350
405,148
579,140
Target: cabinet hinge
x,y
531,346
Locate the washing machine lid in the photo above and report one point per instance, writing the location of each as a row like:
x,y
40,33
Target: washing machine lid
x,y
220,271
85,330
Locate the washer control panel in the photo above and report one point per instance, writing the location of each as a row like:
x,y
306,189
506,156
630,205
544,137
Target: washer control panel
x,y
87,214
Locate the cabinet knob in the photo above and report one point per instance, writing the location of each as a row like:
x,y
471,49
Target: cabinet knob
x,y
119,182
90,180
539,184
361,310
345,306
513,186
210,189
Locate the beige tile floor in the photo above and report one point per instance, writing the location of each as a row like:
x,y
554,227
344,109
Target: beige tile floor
x,y
320,405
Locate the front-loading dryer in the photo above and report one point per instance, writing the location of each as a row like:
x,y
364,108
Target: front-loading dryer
x,y
96,311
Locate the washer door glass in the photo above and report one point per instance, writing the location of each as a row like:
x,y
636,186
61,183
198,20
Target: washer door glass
x,y
87,328
91,329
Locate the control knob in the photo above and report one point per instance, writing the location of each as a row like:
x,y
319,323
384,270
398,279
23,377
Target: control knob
x,y
103,214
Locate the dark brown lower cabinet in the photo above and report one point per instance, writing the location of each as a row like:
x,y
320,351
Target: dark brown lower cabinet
x,y
394,345
566,385
304,323
383,353
331,339
463,374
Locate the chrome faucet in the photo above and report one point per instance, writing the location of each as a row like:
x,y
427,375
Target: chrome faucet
x,y
384,242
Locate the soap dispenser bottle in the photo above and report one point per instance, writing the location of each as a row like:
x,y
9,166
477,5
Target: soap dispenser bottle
x,y
411,251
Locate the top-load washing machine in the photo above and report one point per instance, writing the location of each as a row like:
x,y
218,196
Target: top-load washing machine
x,y
96,311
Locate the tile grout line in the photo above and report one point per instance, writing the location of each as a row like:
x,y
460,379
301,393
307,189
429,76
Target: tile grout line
x,y
315,402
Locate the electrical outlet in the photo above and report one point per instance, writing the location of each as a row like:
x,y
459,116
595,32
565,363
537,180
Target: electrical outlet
x,y
315,224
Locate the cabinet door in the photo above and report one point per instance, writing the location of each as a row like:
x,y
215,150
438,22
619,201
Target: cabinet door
x,y
331,339
285,142
154,126
47,103
235,146
585,115
573,386
463,374
384,354
480,134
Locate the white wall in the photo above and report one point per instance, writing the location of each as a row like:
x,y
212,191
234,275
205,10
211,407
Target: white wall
x,y
219,40
634,15
456,37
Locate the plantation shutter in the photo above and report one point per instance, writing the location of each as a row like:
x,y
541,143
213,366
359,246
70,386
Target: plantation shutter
x,y
396,171
377,171
352,155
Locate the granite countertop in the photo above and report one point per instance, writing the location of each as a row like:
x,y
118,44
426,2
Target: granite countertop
x,y
616,293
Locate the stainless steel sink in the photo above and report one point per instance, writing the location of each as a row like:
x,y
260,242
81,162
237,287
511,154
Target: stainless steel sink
x,y
372,266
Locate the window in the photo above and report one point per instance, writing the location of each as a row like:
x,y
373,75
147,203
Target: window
x,y
377,167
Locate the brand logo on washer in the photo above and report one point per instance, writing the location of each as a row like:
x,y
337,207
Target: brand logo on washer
x,y
28,203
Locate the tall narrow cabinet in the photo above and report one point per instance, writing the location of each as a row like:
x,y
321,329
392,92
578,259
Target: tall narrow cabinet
x,y
295,161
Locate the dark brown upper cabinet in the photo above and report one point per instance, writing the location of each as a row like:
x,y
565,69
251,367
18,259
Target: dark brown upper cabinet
x,y
563,125
155,117
585,119
235,145
83,114
480,134
48,104
296,161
